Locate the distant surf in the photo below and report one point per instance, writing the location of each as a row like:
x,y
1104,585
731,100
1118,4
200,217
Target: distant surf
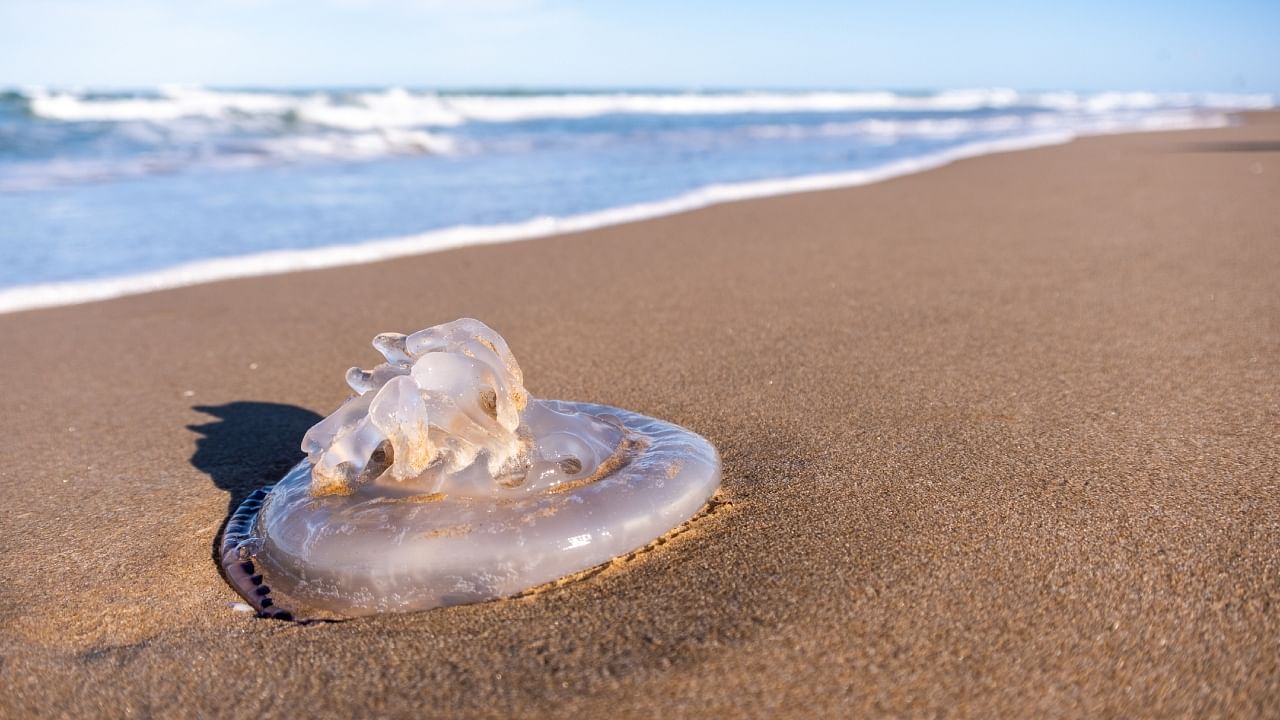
x,y
112,193
398,107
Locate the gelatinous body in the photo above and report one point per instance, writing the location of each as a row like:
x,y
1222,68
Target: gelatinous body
x,y
442,482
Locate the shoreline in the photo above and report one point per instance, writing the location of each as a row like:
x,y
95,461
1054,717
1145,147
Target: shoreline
x,y
279,262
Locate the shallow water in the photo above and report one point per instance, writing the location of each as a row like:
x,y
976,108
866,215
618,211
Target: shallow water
x,y
106,185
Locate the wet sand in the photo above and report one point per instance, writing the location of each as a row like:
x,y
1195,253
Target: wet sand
x,y
999,439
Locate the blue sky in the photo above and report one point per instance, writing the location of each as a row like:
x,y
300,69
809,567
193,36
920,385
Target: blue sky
x,y
1229,46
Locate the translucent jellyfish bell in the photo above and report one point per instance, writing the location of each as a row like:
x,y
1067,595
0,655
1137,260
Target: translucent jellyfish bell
x,y
441,481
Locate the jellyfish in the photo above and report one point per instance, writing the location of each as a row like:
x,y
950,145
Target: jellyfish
x,y
442,481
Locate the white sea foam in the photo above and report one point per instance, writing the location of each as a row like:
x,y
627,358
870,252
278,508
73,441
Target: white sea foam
x,y
355,146
399,108
394,108
171,104
283,261
1111,101
952,127
42,175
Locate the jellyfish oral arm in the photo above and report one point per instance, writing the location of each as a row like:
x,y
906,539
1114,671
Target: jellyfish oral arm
x,y
445,398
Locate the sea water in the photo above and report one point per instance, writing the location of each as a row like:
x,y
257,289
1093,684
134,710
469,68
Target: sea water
x,y
109,193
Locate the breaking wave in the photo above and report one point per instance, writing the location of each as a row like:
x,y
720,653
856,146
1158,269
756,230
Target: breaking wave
x,y
400,108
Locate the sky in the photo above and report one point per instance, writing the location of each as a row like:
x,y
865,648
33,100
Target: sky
x,y
1086,45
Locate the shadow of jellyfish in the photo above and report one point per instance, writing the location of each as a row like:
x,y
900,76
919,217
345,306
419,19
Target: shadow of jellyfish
x,y
248,446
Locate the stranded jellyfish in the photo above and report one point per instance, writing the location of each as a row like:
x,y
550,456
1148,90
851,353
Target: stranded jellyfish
x,y
442,481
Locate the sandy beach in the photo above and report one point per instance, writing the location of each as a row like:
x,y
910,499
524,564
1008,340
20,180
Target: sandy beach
x,y
1000,439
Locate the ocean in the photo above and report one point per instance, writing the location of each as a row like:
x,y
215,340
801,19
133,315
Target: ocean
x,y
109,193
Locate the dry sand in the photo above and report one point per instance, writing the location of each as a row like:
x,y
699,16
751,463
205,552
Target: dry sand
x,y
1001,439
